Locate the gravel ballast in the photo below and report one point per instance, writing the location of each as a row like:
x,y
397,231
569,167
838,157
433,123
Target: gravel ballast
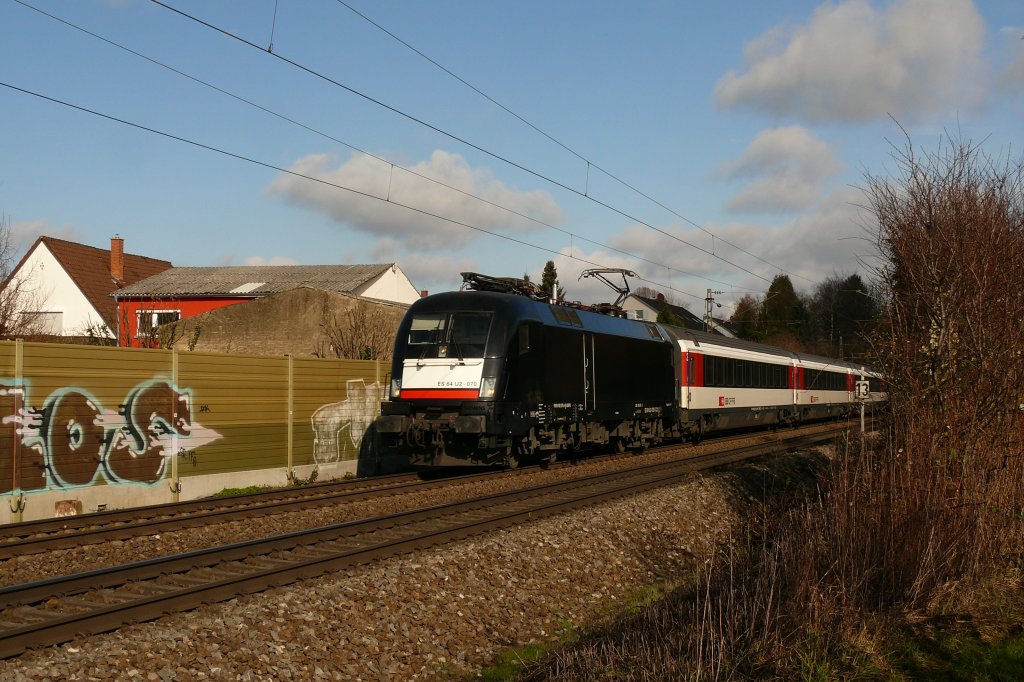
x,y
439,614
435,614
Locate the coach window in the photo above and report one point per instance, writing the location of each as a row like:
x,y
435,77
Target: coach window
x,y
524,339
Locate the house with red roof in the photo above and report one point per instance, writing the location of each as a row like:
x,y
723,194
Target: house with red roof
x,y
65,287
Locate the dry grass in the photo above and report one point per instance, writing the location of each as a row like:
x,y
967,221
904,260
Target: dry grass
x,y
926,521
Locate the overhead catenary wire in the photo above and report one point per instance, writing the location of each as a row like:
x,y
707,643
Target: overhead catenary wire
x,y
359,150
590,163
453,136
264,164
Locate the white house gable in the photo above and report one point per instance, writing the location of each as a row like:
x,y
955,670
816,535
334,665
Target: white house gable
x,y
391,285
52,297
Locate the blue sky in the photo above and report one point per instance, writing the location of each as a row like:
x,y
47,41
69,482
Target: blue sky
x,y
751,124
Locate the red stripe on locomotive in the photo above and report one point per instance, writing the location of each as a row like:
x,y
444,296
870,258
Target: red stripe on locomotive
x,y
439,394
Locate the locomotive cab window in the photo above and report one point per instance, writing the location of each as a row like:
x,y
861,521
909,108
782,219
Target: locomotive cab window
x,y
449,335
524,339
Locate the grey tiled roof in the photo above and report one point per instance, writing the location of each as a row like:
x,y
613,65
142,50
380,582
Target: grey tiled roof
x,y
253,280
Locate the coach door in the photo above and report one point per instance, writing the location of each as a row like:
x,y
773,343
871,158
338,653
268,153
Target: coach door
x,y
589,374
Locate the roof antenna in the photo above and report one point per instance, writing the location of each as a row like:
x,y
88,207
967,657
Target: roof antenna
x,y
621,289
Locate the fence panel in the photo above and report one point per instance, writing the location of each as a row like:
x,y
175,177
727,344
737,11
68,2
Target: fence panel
x,y
12,466
239,410
90,418
87,413
334,402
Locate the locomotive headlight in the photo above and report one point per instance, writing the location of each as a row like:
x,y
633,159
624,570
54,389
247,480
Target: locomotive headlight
x,y
487,387
396,388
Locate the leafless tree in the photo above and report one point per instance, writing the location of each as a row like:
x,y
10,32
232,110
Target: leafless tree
x,y
96,333
20,298
363,332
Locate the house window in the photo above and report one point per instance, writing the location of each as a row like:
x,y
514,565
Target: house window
x,y
149,320
638,314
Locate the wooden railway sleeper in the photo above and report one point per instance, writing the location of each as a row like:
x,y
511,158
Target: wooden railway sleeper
x,y
335,546
188,580
158,586
310,553
265,563
30,614
81,604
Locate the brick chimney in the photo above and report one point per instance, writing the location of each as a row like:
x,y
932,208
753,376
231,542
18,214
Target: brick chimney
x,y
423,293
117,258
661,297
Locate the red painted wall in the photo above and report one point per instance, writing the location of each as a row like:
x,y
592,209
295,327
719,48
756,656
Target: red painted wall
x,y
128,312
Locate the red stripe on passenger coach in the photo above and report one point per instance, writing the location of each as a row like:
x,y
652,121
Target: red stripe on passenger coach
x,y
439,394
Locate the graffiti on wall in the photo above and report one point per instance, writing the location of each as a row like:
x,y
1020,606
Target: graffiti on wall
x,y
72,440
355,413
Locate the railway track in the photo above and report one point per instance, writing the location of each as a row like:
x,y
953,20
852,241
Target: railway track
x,y
55,610
72,531
35,537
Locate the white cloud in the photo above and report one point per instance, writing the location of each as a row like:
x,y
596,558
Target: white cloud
x,y
786,165
371,215
571,262
273,260
852,62
829,239
436,273
25,233
1011,78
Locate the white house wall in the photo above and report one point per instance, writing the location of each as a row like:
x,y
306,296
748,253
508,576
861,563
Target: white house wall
x,y
49,288
392,285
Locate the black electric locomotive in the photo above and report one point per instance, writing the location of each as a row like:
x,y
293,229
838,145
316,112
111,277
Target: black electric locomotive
x,y
493,378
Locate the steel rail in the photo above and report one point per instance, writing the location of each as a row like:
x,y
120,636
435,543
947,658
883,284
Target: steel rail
x,y
34,537
58,609
13,531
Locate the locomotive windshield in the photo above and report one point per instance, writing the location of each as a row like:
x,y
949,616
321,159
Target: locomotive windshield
x,y
449,335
